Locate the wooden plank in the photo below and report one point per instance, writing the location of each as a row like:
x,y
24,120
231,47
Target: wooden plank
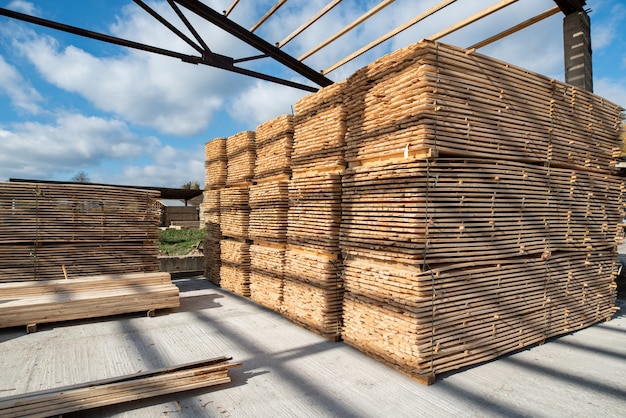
x,y
88,395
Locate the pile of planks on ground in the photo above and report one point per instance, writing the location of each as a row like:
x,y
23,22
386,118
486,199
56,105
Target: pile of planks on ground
x,y
50,230
269,206
116,390
313,287
210,210
43,301
479,213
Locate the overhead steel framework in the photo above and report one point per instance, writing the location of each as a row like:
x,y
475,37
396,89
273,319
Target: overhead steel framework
x,y
268,50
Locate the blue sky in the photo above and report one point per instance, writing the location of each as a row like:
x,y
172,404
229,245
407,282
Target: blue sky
x,y
70,104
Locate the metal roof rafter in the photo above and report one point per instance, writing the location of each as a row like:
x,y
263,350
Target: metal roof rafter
x,y
207,58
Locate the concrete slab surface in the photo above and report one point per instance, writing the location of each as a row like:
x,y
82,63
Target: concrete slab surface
x,y
290,372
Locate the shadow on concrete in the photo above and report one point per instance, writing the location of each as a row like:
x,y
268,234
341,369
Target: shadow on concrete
x,y
278,363
196,303
567,378
486,406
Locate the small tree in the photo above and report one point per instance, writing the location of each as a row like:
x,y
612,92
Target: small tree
x,y
191,185
81,177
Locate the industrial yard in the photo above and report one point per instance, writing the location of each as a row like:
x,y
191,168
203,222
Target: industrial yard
x,y
288,371
438,234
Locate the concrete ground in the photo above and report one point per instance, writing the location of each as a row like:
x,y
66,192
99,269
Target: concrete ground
x,y
290,372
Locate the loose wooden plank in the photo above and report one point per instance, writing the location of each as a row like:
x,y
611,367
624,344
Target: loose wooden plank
x,y
89,395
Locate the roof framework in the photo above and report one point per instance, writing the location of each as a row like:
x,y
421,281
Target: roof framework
x,y
184,8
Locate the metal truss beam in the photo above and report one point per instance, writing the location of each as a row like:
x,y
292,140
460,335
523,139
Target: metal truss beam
x,y
207,57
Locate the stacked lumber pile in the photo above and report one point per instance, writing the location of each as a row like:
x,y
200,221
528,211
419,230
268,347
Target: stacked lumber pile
x,y
240,150
235,212
274,142
234,250
210,210
435,212
212,260
267,262
422,100
47,230
479,212
43,301
235,266
215,163
313,289
319,132
112,391
269,206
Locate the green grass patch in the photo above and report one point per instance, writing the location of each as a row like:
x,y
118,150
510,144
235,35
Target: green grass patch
x,y
180,241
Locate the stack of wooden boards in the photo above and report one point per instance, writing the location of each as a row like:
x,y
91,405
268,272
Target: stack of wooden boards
x,y
444,208
269,206
43,301
116,390
48,230
479,210
313,287
234,209
210,209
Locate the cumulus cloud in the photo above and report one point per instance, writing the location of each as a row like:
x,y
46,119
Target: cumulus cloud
x,y
611,89
23,6
263,102
72,142
171,167
21,93
174,97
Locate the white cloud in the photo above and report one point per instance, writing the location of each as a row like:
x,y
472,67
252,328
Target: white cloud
x,y
263,102
20,92
73,142
171,168
23,6
174,97
611,89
